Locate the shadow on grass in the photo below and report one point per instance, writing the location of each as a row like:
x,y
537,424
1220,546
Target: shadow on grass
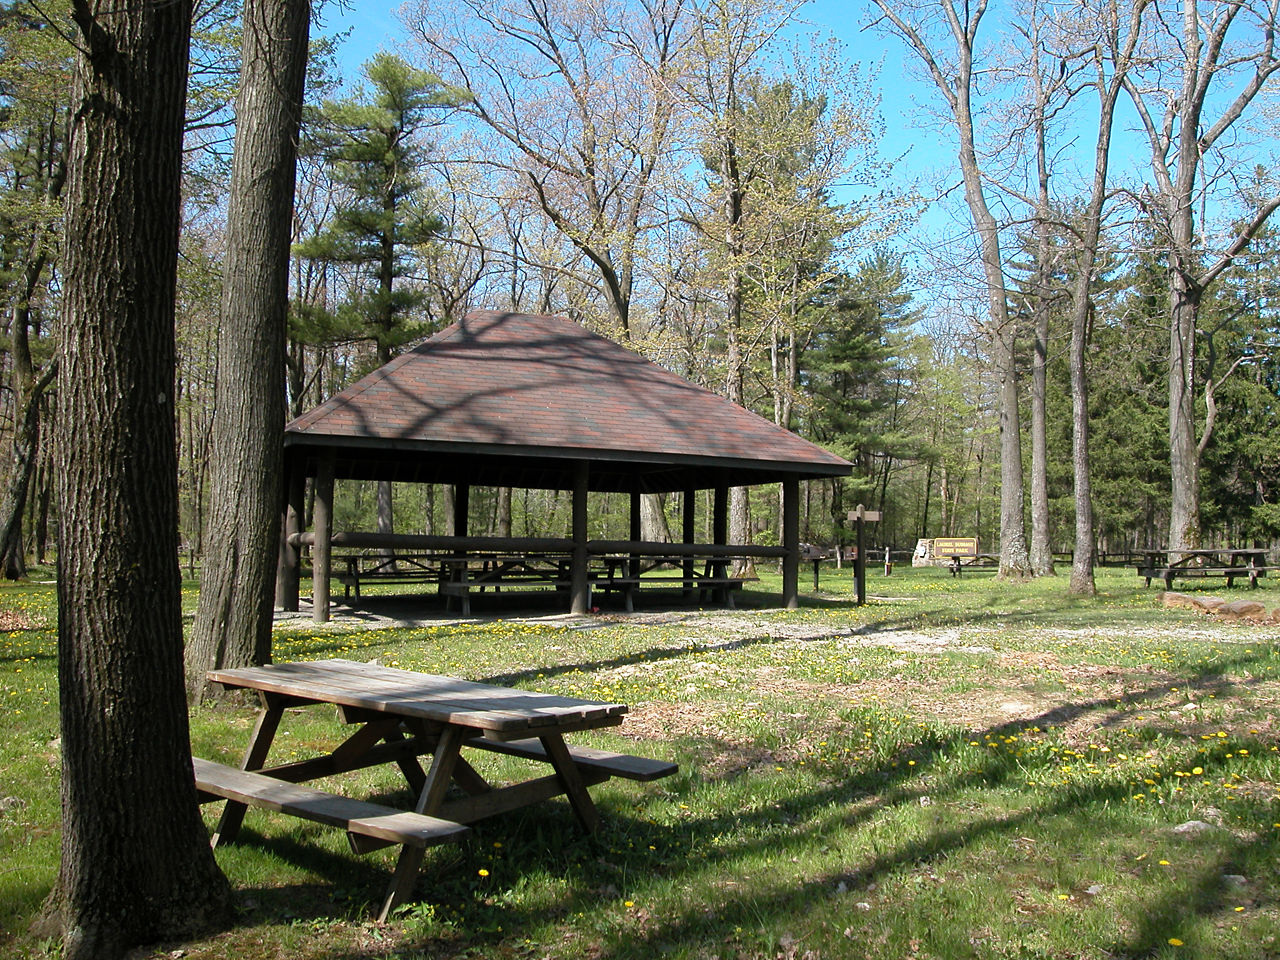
x,y
800,824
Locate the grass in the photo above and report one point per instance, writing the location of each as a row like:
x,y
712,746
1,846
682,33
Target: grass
x,y
961,768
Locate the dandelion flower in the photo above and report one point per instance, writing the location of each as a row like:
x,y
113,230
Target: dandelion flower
x,y
1175,942
483,872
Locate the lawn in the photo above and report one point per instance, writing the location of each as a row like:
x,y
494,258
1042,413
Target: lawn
x,y
961,768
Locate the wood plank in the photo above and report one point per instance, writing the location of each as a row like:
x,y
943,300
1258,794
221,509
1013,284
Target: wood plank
x,y
623,765
356,816
502,800
406,693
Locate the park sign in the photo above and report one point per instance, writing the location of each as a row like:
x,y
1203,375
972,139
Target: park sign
x,y
955,546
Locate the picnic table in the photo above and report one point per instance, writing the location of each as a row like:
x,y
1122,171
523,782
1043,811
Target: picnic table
x,y
1228,562
399,716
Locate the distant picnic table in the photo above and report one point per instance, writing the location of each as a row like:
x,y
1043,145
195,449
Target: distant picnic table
x,y
1231,563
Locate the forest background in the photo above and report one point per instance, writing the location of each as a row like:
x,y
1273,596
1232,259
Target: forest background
x,y
712,184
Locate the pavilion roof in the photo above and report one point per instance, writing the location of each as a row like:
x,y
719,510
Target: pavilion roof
x,y
516,398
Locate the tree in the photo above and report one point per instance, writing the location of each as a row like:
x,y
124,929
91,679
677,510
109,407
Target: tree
x,y
1190,119
374,146
1108,40
34,75
578,100
233,619
136,863
954,79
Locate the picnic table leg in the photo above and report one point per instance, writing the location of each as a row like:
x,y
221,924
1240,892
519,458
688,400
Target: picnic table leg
x,y
443,763
571,780
255,756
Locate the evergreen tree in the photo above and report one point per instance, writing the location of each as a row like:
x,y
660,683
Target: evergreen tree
x,y
850,371
374,146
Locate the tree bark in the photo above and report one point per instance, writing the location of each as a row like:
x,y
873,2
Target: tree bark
x,y
233,619
136,865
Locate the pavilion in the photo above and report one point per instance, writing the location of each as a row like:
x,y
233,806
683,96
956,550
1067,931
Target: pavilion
x,y
538,402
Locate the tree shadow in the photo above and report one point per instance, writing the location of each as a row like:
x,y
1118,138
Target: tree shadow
x,y
804,820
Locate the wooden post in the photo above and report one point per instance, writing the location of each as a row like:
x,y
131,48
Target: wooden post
x,y
791,542
859,517
322,549
579,585
690,534
633,568
287,572
461,508
720,516
860,560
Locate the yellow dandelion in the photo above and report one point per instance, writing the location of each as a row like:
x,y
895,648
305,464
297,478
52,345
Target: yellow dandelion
x,y
1175,942
483,872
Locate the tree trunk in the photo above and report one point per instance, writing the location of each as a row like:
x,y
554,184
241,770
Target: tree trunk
x,y
233,619
26,440
136,865
1184,456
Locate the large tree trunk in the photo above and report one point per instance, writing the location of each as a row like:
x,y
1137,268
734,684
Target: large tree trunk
x,y
136,864
233,619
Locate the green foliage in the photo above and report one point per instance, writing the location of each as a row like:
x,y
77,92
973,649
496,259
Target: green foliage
x,y
374,148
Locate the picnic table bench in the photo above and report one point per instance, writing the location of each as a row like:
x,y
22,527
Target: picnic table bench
x,y
400,716
397,568
1231,563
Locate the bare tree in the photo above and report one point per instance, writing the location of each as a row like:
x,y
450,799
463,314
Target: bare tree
x,y
1189,110
925,27
233,619
136,864
1107,36
578,98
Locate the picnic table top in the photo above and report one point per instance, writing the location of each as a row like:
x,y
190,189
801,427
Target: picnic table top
x,y
1227,554
483,707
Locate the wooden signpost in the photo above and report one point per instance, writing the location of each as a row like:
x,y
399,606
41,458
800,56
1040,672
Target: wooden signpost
x,y
858,516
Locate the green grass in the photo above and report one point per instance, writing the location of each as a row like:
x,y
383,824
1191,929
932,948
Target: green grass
x,y
961,768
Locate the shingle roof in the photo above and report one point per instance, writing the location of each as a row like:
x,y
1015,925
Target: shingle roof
x,y
506,384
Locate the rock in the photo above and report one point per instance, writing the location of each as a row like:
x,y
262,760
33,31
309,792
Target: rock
x,y
1234,880
1093,889
1208,604
1192,827
1177,600
1242,609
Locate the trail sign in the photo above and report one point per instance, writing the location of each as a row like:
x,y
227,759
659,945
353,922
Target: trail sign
x,y
858,516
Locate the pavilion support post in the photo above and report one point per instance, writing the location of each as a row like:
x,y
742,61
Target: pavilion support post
x,y
461,508
720,516
288,572
719,530
322,548
637,532
689,533
579,584
791,542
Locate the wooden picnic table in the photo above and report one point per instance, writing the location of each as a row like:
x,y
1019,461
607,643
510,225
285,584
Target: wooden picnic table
x,y
1228,562
399,716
